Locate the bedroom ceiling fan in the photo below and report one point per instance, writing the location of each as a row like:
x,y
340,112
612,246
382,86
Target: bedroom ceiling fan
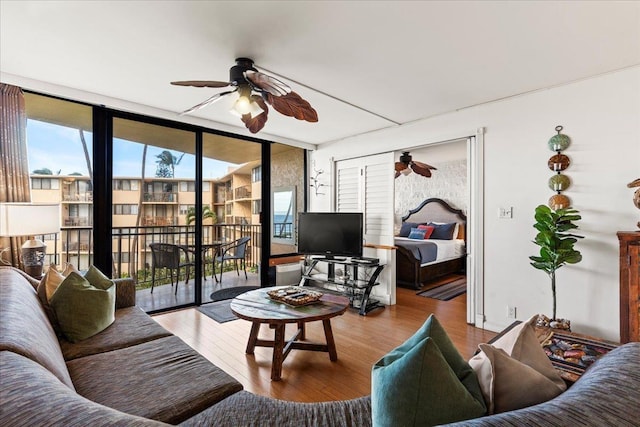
x,y
255,90
406,164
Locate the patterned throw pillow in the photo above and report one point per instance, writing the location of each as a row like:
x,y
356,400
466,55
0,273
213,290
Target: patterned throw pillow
x,y
417,234
428,230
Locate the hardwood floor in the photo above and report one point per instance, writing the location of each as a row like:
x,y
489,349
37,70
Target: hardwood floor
x,y
310,376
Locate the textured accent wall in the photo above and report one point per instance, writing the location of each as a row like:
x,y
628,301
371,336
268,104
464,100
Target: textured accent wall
x,y
448,183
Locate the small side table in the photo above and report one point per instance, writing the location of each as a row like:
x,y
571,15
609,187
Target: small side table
x,y
256,307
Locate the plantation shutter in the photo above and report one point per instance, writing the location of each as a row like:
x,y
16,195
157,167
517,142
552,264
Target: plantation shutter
x,y
365,184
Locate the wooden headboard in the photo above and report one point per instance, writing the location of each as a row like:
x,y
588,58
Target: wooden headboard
x,y
437,210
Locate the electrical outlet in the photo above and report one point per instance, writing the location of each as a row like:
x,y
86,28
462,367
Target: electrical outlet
x,y
511,312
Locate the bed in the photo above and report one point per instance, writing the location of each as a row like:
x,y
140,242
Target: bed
x,y
418,261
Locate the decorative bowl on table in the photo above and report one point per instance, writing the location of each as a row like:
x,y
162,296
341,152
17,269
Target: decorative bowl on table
x,y
295,296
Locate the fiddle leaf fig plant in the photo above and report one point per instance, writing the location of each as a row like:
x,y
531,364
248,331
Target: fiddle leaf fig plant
x,y
556,242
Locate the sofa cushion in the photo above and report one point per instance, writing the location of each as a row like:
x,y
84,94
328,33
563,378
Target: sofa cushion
x,y
248,409
132,326
163,379
24,326
33,396
424,381
84,309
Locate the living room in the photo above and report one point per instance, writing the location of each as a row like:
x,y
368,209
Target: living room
x,y
585,79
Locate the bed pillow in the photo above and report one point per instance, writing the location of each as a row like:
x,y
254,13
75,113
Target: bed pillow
x,y
428,230
443,231
424,381
417,234
406,227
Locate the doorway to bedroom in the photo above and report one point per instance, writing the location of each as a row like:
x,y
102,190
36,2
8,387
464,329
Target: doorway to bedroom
x,y
439,200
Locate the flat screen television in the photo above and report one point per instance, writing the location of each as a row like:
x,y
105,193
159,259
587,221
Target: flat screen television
x,y
332,234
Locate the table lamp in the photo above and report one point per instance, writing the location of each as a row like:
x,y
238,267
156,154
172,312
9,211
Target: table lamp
x,y
30,219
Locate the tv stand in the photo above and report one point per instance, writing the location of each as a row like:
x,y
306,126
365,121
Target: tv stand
x,y
349,284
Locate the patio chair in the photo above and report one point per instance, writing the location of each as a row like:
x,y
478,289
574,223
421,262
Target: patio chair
x,y
167,255
234,251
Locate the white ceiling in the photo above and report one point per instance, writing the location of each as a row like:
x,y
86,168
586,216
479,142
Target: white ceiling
x,y
399,61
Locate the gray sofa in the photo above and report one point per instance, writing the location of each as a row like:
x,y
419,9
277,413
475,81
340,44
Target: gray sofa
x,y
135,373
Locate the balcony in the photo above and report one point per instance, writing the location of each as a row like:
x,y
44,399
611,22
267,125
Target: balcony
x,y
78,221
78,197
161,197
159,220
132,258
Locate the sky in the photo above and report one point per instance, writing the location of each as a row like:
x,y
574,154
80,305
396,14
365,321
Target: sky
x,y
59,148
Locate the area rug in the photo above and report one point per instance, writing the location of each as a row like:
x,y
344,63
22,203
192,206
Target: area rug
x,y
220,311
447,291
229,293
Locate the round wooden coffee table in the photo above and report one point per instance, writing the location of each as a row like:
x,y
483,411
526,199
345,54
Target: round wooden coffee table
x,y
256,307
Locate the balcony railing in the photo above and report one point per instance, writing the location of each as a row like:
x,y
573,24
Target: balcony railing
x,y
159,220
161,197
130,245
78,197
243,192
78,221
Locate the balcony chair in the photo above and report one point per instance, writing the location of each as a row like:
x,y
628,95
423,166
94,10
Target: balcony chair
x,y
166,255
233,251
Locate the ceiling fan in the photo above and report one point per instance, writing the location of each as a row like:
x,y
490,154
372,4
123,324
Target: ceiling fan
x,y
406,164
255,90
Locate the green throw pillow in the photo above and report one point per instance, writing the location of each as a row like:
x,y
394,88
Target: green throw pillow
x,y
424,382
84,309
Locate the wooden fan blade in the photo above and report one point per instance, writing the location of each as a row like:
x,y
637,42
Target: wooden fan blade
x,y
400,166
255,124
267,83
201,83
424,165
293,105
397,174
209,101
420,170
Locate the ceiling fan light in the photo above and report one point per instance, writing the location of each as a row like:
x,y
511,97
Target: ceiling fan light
x,y
244,105
406,171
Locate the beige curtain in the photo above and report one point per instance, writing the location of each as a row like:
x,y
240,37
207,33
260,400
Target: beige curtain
x,y
14,170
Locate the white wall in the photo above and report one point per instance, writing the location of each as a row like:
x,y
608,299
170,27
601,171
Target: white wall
x,y
602,117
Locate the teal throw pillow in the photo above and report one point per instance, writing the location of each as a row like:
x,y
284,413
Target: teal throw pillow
x,y
84,309
425,382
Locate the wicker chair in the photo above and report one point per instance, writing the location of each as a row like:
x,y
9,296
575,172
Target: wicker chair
x,y
167,255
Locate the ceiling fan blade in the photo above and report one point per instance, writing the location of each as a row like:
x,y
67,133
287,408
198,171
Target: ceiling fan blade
x,y
293,105
267,83
209,101
400,166
201,83
420,170
424,165
255,124
397,174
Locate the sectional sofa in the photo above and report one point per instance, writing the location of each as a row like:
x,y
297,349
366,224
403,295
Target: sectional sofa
x,y
136,373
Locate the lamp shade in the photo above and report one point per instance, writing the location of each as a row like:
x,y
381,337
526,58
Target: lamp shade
x,y
29,219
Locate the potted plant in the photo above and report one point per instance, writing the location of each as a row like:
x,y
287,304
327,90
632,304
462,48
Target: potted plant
x,y
556,246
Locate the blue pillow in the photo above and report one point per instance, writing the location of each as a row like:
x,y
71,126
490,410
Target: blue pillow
x,y
443,231
417,233
424,381
406,228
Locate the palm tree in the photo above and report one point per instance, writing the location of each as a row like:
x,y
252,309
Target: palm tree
x,y
206,213
167,163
